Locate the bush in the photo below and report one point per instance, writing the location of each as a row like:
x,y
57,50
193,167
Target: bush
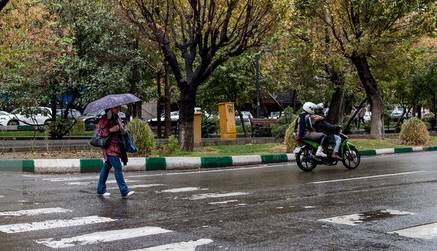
x,y
289,140
281,126
414,132
172,145
142,136
78,128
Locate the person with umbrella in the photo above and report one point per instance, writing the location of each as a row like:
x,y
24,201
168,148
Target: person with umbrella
x,y
111,127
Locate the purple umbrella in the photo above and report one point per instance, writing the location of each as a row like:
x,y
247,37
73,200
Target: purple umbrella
x,y
110,101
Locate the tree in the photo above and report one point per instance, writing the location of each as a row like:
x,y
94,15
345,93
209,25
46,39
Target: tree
x,y
204,34
3,4
78,51
363,28
233,81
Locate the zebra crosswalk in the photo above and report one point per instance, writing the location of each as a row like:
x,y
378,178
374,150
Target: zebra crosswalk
x,y
427,231
54,226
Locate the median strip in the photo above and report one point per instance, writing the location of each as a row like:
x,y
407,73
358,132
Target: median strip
x,y
60,166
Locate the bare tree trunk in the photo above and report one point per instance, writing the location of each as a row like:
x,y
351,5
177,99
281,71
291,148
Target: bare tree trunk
x,y
187,103
167,101
371,87
158,107
240,114
336,106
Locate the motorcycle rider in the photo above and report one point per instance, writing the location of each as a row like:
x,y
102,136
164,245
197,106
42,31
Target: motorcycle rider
x,y
305,127
329,129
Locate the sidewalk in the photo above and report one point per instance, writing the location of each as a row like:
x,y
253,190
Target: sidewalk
x,y
61,166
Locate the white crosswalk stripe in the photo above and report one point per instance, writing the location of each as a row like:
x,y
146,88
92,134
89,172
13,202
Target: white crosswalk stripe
x,y
181,190
105,236
38,211
216,195
51,224
138,186
427,231
186,246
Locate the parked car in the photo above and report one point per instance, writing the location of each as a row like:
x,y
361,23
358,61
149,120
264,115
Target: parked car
x,y
275,115
396,113
367,116
72,113
174,116
5,119
246,116
92,119
30,116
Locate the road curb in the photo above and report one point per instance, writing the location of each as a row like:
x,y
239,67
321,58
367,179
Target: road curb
x,y
62,166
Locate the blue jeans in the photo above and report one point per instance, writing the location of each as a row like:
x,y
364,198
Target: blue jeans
x,y
116,163
337,143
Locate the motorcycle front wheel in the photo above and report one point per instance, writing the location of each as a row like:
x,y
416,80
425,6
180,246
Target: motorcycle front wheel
x,y
351,159
304,160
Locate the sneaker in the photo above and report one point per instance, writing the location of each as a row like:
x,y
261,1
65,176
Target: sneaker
x,y
320,152
105,194
128,195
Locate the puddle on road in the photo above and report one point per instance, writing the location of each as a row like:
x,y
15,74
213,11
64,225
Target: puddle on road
x,y
363,217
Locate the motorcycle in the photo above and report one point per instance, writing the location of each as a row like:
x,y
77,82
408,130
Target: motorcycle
x,y
307,160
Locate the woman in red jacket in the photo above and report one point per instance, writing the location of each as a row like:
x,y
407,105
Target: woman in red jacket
x,y
111,125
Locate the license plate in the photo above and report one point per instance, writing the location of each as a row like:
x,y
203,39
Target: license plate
x,y
296,150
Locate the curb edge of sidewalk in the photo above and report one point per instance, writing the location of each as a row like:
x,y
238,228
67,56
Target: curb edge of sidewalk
x,y
63,166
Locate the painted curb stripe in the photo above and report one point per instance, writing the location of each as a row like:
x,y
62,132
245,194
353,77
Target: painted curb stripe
x,y
431,148
367,152
183,163
404,150
90,165
246,160
418,149
274,158
11,165
153,164
385,151
212,162
169,163
135,164
57,166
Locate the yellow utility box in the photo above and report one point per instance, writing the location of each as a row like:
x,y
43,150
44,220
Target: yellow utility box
x,y
227,120
197,127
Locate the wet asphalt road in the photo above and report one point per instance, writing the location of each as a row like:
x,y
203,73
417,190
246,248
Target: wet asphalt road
x,y
274,207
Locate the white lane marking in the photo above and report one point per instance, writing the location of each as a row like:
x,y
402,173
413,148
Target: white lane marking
x,y
71,179
38,211
185,246
215,195
427,231
2,196
79,183
222,202
354,219
211,171
34,226
180,190
127,180
138,186
368,177
105,236
309,207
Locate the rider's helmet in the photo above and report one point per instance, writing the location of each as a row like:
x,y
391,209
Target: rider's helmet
x,y
309,107
319,109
